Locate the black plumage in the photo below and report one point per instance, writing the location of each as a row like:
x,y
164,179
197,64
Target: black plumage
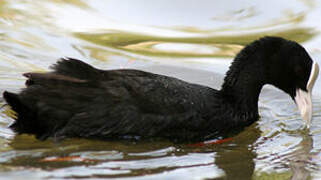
x,y
78,100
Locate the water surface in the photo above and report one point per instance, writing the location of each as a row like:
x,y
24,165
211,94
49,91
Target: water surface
x,y
191,40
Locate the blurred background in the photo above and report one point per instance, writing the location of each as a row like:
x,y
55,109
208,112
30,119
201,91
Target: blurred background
x,y
192,40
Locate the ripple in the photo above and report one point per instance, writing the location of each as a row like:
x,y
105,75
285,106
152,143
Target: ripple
x,y
145,35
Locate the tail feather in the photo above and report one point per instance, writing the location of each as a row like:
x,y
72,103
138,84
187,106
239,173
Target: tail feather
x,y
50,79
13,100
24,122
51,99
75,68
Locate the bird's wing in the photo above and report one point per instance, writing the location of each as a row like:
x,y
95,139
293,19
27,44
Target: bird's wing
x,y
99,103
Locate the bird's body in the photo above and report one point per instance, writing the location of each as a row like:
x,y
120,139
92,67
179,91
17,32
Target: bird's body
x,y
123,104
78,100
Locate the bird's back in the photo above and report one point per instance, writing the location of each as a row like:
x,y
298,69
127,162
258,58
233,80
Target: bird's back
x,y
79,100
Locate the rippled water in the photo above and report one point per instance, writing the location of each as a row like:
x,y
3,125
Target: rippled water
x,y
192,40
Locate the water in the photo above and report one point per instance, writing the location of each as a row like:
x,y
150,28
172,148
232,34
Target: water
x,y
192,40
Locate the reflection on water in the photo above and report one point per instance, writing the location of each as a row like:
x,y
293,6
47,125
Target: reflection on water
x,y
237,158
209,46
192,40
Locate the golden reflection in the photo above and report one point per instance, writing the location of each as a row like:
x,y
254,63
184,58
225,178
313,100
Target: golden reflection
x,y
6,14
183,49
310,3
98,53
19,65
9,112
78,3
228,46
29,40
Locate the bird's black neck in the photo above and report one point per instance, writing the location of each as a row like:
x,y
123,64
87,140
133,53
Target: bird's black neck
x,y
244,81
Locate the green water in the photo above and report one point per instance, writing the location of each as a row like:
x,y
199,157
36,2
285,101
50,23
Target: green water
x,y
191,40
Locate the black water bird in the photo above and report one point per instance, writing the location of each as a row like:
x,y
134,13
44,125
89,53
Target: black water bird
x,y
78,100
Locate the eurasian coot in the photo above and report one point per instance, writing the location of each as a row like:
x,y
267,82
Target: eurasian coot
x,y
78,100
